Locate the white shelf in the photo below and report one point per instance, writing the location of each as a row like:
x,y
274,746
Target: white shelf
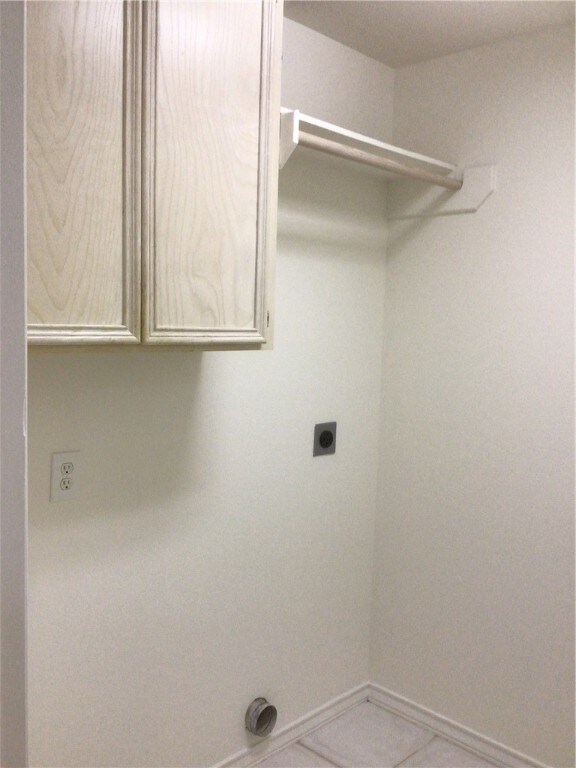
x,y
301,130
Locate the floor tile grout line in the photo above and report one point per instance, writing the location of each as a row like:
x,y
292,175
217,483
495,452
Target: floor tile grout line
x,y
432,737
451,739
365,700
319,754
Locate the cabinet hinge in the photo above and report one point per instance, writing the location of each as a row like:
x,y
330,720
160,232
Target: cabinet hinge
x,y
268,319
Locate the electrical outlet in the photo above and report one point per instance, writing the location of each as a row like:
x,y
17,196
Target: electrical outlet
x,y
65,479
324,439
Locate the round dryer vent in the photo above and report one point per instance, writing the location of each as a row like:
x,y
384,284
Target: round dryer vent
x,y
261,717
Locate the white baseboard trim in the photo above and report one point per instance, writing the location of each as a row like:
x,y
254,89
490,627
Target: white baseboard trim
x,y
299,728
459,734
465,737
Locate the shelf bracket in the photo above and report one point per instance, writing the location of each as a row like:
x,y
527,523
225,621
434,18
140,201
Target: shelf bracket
x,y
289,122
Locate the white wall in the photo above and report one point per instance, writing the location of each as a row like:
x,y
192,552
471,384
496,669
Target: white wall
x,y
474,602
332,82
210,559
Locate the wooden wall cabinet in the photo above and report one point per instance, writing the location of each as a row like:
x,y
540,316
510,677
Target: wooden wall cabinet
x,y
153,132
83,171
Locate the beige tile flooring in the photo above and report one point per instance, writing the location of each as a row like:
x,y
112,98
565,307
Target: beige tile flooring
x,y
368,736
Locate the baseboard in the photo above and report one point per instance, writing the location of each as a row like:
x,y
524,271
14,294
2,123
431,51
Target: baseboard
x,y
459,734
465,737
299,728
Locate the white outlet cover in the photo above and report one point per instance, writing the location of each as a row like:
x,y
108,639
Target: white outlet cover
x,y
68,490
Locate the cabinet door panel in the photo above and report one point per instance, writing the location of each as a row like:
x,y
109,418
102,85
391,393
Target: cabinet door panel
x,y
83,126
210,155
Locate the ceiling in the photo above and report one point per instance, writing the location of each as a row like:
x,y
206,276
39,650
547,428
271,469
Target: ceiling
x,y
400,32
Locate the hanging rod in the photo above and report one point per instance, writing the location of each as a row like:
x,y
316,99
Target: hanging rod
x,y
417,167
368,158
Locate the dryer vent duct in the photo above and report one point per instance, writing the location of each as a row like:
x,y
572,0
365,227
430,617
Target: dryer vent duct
x,y
261,717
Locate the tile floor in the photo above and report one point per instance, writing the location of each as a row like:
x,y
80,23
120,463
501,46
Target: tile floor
x,y
368,736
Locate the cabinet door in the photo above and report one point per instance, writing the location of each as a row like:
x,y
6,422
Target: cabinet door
x,y
83,179
211,165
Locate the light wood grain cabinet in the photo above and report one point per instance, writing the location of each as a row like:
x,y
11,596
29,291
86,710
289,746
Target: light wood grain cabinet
x,y
83,171
152,182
